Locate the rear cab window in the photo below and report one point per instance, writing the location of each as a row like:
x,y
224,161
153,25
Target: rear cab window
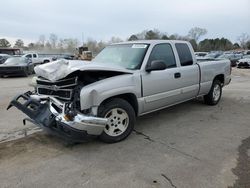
x,y
165,53
184,54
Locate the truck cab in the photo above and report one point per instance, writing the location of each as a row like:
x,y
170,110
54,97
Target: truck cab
x,y
34,58
177,82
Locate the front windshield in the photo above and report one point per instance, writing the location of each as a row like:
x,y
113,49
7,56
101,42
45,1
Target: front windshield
x,y
129,56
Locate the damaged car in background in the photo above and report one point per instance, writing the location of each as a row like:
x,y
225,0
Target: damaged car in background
x,y
244,62
78,100
18,66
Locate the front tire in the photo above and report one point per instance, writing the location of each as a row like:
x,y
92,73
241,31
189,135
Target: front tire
x,y
121,120
214,95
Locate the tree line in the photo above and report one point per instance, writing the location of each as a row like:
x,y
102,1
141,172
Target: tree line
x,y
194,36
54,44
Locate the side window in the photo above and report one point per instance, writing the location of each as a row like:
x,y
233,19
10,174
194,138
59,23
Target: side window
x,y
163,52
184,54
29,56
34,56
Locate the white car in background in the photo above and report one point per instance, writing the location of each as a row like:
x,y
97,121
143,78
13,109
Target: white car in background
x,y
247,52
244,62
36,60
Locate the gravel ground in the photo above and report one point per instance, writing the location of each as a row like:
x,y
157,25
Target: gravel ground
x,y
188,145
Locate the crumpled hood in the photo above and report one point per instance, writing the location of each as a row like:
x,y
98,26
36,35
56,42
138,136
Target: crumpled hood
x,y
61,68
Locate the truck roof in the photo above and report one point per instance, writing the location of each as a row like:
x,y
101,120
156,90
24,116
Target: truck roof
x,y
152,42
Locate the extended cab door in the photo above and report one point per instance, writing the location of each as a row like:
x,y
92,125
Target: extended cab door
x,y
35,59
163,87
189,72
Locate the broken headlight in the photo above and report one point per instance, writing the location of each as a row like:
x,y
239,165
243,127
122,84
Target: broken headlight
x,y
33,82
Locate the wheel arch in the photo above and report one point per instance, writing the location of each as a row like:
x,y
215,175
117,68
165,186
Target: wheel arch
x,y
129,97
220,77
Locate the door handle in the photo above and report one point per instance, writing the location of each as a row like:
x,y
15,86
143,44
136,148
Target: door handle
x,y
177,75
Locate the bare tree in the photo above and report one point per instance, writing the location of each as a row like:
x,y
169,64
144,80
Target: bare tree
x,y
42,40
48,46
71,44
19,43
115,40
243,39
91,44
4,43
53,40
32,46
101,45
61,45
248,45
141,35
176,36
196,32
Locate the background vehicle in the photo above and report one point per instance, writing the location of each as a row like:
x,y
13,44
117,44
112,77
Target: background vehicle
x,y
66,56
232,57
83,54
16,66
10,51
200,54
244,62
247,52
213,55
36,59
209,57
3,58
78,100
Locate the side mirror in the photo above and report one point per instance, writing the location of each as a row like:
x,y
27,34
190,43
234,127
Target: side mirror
x,y
156,65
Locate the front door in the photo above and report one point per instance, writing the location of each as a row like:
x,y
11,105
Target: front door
x,y
161,88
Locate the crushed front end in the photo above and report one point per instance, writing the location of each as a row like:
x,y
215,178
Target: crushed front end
x,y
54,106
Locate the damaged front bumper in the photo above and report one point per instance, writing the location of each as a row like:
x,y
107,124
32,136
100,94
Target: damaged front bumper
x,y
48,113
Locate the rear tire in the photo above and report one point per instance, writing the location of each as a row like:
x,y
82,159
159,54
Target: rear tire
x,y
214,95
121,120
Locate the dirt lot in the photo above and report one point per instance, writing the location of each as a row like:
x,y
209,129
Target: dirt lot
x,y
188,145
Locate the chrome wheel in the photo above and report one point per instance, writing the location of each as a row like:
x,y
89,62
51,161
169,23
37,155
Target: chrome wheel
x,y
216,92
118,121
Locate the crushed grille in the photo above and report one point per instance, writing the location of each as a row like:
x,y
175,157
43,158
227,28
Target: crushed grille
x,y
62,89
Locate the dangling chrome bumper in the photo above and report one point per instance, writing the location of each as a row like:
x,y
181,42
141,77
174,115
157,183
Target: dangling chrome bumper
x,y
48,113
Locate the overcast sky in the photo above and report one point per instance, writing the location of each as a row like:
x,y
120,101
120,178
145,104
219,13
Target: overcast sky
x,y
102,19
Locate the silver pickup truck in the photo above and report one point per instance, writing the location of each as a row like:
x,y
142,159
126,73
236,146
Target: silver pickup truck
x,y
78,100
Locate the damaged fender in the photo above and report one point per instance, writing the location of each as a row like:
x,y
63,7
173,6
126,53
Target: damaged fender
x,y
94,94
